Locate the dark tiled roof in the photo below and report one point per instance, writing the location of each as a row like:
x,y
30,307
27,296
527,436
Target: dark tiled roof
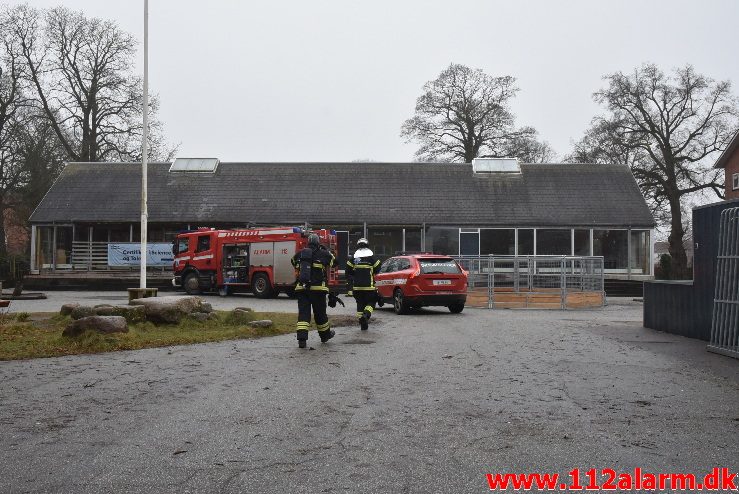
x,y
350,193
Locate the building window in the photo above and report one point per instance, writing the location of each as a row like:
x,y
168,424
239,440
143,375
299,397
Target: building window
x,y
63,247
469,243
553,242
442,240
413,240
613,246
640,252
385,242
500,242
526,242
120,233
45,246
735,181
582,242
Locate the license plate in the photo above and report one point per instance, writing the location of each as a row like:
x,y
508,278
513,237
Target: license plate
x,y
442,282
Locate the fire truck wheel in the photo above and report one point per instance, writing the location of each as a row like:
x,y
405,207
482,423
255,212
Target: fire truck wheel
x,y
191,284
260,286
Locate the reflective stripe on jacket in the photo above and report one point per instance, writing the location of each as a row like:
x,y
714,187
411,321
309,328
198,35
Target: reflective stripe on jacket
x,y
322,261
361,272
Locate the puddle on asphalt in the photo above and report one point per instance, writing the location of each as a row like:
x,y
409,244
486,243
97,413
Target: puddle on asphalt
x,y
357,341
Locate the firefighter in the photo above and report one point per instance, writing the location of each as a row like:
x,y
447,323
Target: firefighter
x,y
312,265
360,274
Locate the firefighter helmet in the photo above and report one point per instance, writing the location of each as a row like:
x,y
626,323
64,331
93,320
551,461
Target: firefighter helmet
x,y
362,242
313,240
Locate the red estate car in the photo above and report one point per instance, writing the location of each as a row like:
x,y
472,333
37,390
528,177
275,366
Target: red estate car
x,y
419,280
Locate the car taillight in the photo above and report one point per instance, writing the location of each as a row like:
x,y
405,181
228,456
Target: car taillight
x,y
414,274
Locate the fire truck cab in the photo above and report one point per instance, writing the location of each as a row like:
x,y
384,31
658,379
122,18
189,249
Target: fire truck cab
x,y
232,261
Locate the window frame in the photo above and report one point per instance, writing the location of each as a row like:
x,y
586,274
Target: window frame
x,y
735,181
179,241
197,243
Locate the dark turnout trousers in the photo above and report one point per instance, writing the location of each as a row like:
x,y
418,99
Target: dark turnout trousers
x,y
366,300
315,299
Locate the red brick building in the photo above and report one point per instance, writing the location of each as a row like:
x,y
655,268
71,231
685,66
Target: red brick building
x,y
729,161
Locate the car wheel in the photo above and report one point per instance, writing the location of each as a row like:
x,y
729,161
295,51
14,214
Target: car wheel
x,y
260,286
456,308
399,303
191,284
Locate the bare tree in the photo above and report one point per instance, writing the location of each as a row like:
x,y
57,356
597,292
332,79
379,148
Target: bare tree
x,y
464,114
13,106
81,72
668,129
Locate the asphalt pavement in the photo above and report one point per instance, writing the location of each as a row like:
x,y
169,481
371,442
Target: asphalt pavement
x,y
428,402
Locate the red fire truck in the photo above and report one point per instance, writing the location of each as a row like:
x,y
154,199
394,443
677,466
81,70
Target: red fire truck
x,y
232,261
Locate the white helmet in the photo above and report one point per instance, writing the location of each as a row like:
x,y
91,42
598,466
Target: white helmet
x,y
362,242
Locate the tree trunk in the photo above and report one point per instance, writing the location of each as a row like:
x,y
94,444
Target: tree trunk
x,y
3,243
675,240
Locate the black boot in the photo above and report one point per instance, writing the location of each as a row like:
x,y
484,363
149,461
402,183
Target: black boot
x,y
326,335
363,325
302,339
367,315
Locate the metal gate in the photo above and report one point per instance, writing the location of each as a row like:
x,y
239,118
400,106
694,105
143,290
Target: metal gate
x,y
545,282
725,323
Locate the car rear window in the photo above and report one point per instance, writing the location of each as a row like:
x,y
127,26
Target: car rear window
x,y
438,266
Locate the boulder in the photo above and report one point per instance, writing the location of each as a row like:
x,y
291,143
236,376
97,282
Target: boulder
x,y
68,308
240,316
103,310
170,309
82,311
206,307
100,324
132,313
102,305
244,309
263,323
199,316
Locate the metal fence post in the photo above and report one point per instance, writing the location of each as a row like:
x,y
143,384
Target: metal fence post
x,y
563,283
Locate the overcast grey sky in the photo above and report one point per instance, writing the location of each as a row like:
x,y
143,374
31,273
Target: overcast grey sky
x,y
333,80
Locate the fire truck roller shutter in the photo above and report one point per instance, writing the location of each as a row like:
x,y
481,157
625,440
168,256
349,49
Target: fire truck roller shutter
x,y
284,273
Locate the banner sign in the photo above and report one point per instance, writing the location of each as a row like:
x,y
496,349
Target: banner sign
x,y
129,254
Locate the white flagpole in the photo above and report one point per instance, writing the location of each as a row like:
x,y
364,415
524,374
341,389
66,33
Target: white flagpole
x,y
145,147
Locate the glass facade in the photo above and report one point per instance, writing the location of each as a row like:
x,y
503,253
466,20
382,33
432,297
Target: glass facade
x,y
442,240
624,251
501,242
553,242
640,252
613,245
413,240
63,247
582,242
45,246
469,243
525,241
385,242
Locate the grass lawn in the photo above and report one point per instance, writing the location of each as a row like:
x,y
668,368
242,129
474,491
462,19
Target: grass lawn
x,y
24,336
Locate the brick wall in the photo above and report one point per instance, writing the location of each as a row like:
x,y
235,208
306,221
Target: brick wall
x,y
732,167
